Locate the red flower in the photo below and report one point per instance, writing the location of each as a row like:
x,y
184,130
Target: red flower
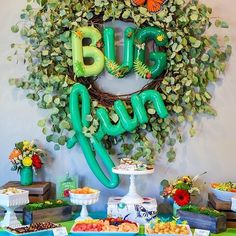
x,y
37,163
181,197
66,193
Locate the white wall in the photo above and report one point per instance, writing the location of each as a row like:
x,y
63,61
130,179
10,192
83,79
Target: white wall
x,y
212,150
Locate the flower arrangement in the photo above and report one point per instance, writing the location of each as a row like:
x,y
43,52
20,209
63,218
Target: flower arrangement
x,y
26,154
180,189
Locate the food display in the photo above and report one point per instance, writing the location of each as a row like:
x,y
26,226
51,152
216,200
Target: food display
x,y
84,190
168,228
106,225
132,165
10,199
224,191
132,168
228,186
13,197
35,227
11,191
84,196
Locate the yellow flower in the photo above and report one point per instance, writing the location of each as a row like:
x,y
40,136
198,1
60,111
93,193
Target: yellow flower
x,y
48,202
27,161
186,179
160,38
26,145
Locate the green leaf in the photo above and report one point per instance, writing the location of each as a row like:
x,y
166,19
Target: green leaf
x,y
194,17
165,183
126,14
151,111
205,57
42,123
177,109
62,140
171,154
15,28
65,124
47,98
57,147
171,142
192,132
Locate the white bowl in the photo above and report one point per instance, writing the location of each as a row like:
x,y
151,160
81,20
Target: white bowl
x,y
20,198
84,199
223,195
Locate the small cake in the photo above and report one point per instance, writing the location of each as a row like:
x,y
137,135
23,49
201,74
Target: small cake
x,y
132,165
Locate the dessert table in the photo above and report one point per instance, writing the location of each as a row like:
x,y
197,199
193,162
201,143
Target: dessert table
x,y
69,224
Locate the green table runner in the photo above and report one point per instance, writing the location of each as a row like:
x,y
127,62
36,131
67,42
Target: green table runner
x,y
97,215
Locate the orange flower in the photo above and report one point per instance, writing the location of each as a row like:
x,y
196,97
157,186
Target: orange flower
x,y
152,5
14,154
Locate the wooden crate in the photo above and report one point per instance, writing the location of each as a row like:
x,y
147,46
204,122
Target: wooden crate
x,y
200,221
218,204
57,214
38,191
225,207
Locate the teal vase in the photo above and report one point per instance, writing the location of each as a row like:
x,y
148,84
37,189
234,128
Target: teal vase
x,y
26,176
176,207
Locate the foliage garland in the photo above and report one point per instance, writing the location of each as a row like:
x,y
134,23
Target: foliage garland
x,y
194,61
202,210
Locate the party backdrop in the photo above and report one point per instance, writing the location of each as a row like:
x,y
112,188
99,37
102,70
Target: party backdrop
x,y
211,150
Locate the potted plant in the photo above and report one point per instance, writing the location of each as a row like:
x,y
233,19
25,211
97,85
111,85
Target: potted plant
x,y
203,218
47,211
26,158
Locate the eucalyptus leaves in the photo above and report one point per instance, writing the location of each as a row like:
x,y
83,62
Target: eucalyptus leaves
x,y
194,60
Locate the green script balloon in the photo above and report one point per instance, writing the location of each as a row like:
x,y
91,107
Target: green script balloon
x,y
110,52
159,58
80,109
79,52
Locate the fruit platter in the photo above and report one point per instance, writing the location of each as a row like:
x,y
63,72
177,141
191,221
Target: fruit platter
x,y
107,226
33,229
84,196
167,229
224,191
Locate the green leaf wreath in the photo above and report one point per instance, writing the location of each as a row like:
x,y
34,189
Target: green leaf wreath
x,y
195,60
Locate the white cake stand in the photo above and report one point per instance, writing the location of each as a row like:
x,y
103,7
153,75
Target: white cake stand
x,y
132,197
84,200
10,202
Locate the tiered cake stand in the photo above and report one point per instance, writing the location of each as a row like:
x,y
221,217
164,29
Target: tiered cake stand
x,y
132,197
